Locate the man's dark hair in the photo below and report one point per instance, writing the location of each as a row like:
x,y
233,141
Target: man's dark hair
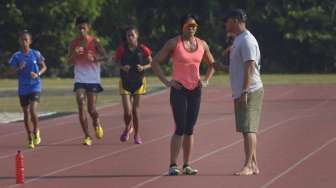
x,y
25,32
126,29
237,14
81,20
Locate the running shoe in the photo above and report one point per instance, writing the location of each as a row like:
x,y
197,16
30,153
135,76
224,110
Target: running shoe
x,y
37,137
87,141
125,135
137,140
174,171
31,145
99,131
187,170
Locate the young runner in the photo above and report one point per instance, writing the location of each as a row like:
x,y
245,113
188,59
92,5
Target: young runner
x,y
87,54
134,58
29,64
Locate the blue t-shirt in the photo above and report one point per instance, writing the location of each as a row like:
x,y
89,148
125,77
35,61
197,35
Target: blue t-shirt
x,y
31,60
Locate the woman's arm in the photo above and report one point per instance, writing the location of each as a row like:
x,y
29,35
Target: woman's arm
x,y
210,63
160,57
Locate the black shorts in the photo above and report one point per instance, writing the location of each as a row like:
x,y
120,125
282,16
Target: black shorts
x,y
25,100
94,88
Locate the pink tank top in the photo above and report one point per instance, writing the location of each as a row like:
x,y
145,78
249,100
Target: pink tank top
x,y
186,64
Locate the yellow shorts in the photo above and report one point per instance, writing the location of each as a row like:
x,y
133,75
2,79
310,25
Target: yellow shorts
x,y
140,91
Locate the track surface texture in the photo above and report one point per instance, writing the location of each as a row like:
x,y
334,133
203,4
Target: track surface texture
x,y
296,145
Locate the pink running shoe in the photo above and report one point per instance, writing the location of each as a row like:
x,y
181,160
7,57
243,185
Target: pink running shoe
x,y
137,140
125,135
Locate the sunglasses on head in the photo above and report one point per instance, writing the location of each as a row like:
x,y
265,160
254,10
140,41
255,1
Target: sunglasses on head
x,y
193,25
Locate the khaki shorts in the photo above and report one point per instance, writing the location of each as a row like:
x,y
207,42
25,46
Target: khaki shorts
x,y
248,116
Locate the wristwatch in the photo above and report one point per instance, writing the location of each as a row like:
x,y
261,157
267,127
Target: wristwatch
x,y
245,92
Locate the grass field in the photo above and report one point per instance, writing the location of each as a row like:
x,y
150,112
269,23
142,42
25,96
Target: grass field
x,y
58,97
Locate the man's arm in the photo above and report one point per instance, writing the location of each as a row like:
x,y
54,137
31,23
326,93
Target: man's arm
x,y
101,52
248,71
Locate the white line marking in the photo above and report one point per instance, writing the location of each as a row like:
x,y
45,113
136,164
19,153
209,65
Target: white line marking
x,y
160,138
50,125
236,142
110,154
219,149
298,163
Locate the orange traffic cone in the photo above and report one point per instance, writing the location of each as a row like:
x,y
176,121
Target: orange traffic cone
x,y
19,168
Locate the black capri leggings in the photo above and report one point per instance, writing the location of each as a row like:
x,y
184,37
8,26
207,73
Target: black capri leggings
x,y
185,105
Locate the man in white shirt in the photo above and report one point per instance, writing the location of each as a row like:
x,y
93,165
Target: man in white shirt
x,y
246,86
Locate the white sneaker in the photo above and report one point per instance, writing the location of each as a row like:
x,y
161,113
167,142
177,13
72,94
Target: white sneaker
x,y
189,171
174,171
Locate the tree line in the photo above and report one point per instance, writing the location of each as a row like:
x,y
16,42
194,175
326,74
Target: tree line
x,y
294,36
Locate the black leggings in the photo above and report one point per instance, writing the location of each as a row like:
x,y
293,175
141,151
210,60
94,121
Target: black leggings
x,y
185,105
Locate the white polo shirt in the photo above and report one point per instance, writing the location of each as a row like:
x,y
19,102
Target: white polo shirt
x,y
245,47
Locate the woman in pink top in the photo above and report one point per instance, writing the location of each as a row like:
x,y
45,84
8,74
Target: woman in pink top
x,y
187,52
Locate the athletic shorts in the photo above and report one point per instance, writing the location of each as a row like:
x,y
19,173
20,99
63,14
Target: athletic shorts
x,y
248,116
25,100
94,88
140,91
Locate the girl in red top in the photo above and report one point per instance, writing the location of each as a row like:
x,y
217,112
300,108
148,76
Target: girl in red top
x,y
134,58
187,52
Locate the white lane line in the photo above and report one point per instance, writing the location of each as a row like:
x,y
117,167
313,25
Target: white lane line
x,y
286,93
50,124
220,149
237,142
110,154
267,184
54,143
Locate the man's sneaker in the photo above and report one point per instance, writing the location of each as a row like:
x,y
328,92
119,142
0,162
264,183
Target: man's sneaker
x,y
174,171
137,140
87,141
99,131
187,170
37,137
31,145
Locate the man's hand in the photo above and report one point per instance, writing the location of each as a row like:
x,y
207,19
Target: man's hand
x,y
79,50
125,68
91,57
21,65
243,98
140,68
33,75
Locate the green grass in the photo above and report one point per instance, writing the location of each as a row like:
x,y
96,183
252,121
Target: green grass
x,y
57,93
283,79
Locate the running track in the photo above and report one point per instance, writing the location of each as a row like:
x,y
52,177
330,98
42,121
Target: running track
x,y
296,145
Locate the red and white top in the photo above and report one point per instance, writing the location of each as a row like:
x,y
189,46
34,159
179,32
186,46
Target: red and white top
x,y
85,69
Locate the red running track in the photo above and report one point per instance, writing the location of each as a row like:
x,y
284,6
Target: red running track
x,y
296,145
